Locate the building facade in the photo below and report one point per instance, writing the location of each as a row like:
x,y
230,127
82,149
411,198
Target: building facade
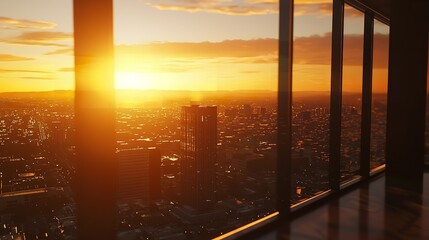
x,y
198,155
139,174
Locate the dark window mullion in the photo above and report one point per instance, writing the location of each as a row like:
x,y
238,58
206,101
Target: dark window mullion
x,y
367,95
336,89
95,180
284,115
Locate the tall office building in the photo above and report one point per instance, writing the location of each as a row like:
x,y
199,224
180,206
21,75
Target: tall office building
x,y
198,155
139,174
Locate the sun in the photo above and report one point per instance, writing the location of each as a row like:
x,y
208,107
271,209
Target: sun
x,y
131,80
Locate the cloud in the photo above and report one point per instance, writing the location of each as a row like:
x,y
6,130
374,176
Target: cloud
x,y
381,50
2,70
13,23
228,7
65,51
250,72
263,59
250,7
311,50
316,50
13,58
323,9
39,39
38,78
66,70
29,74
223,49
178,57
350,12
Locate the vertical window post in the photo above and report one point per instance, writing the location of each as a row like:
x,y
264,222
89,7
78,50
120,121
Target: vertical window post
x,y
336,89
284,113
95,180
367,95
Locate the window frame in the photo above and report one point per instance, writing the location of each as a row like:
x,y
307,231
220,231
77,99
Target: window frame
x,y
285,210
285,85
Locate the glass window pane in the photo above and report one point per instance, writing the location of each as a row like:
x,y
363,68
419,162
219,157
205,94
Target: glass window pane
x,y
311,99
37,143
352,93
379,94
196,118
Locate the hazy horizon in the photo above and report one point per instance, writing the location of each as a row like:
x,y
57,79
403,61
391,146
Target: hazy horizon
x,y
183,90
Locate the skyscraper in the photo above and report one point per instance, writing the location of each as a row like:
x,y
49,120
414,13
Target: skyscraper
x,y
198,155
139,174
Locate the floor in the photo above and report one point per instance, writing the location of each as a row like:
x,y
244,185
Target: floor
x,y
372,211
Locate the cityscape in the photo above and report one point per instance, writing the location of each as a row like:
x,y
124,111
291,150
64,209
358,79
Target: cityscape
x,y
231,119
188,167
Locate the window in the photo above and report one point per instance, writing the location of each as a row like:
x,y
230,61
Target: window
x,y
198,86
37,142
311,99
379,94
193,137
351,93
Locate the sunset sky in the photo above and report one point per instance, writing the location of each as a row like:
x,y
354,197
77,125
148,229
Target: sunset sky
x,y
184,45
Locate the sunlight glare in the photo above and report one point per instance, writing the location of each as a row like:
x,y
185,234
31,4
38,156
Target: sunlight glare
x,y
131,80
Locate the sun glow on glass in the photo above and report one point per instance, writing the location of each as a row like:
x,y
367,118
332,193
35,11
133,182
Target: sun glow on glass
x,y
131,80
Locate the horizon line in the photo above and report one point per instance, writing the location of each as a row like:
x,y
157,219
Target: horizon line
x,y
181,90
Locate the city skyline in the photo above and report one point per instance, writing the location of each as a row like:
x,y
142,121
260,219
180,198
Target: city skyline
x,y
213,119
39,154
38,133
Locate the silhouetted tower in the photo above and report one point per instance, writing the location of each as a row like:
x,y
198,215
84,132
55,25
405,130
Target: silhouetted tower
x,y
198,155
139,174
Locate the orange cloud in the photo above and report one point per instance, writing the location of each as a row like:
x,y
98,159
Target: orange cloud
x,y
311,50
12,23
317,50
381,50
224,49
13,58
65,51
251,7
228,7
312,1
2,70
181,57
323,8
39,39
66,70
29,74
38,78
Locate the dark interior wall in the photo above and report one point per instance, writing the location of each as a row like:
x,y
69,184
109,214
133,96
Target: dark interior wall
x,y
408,56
